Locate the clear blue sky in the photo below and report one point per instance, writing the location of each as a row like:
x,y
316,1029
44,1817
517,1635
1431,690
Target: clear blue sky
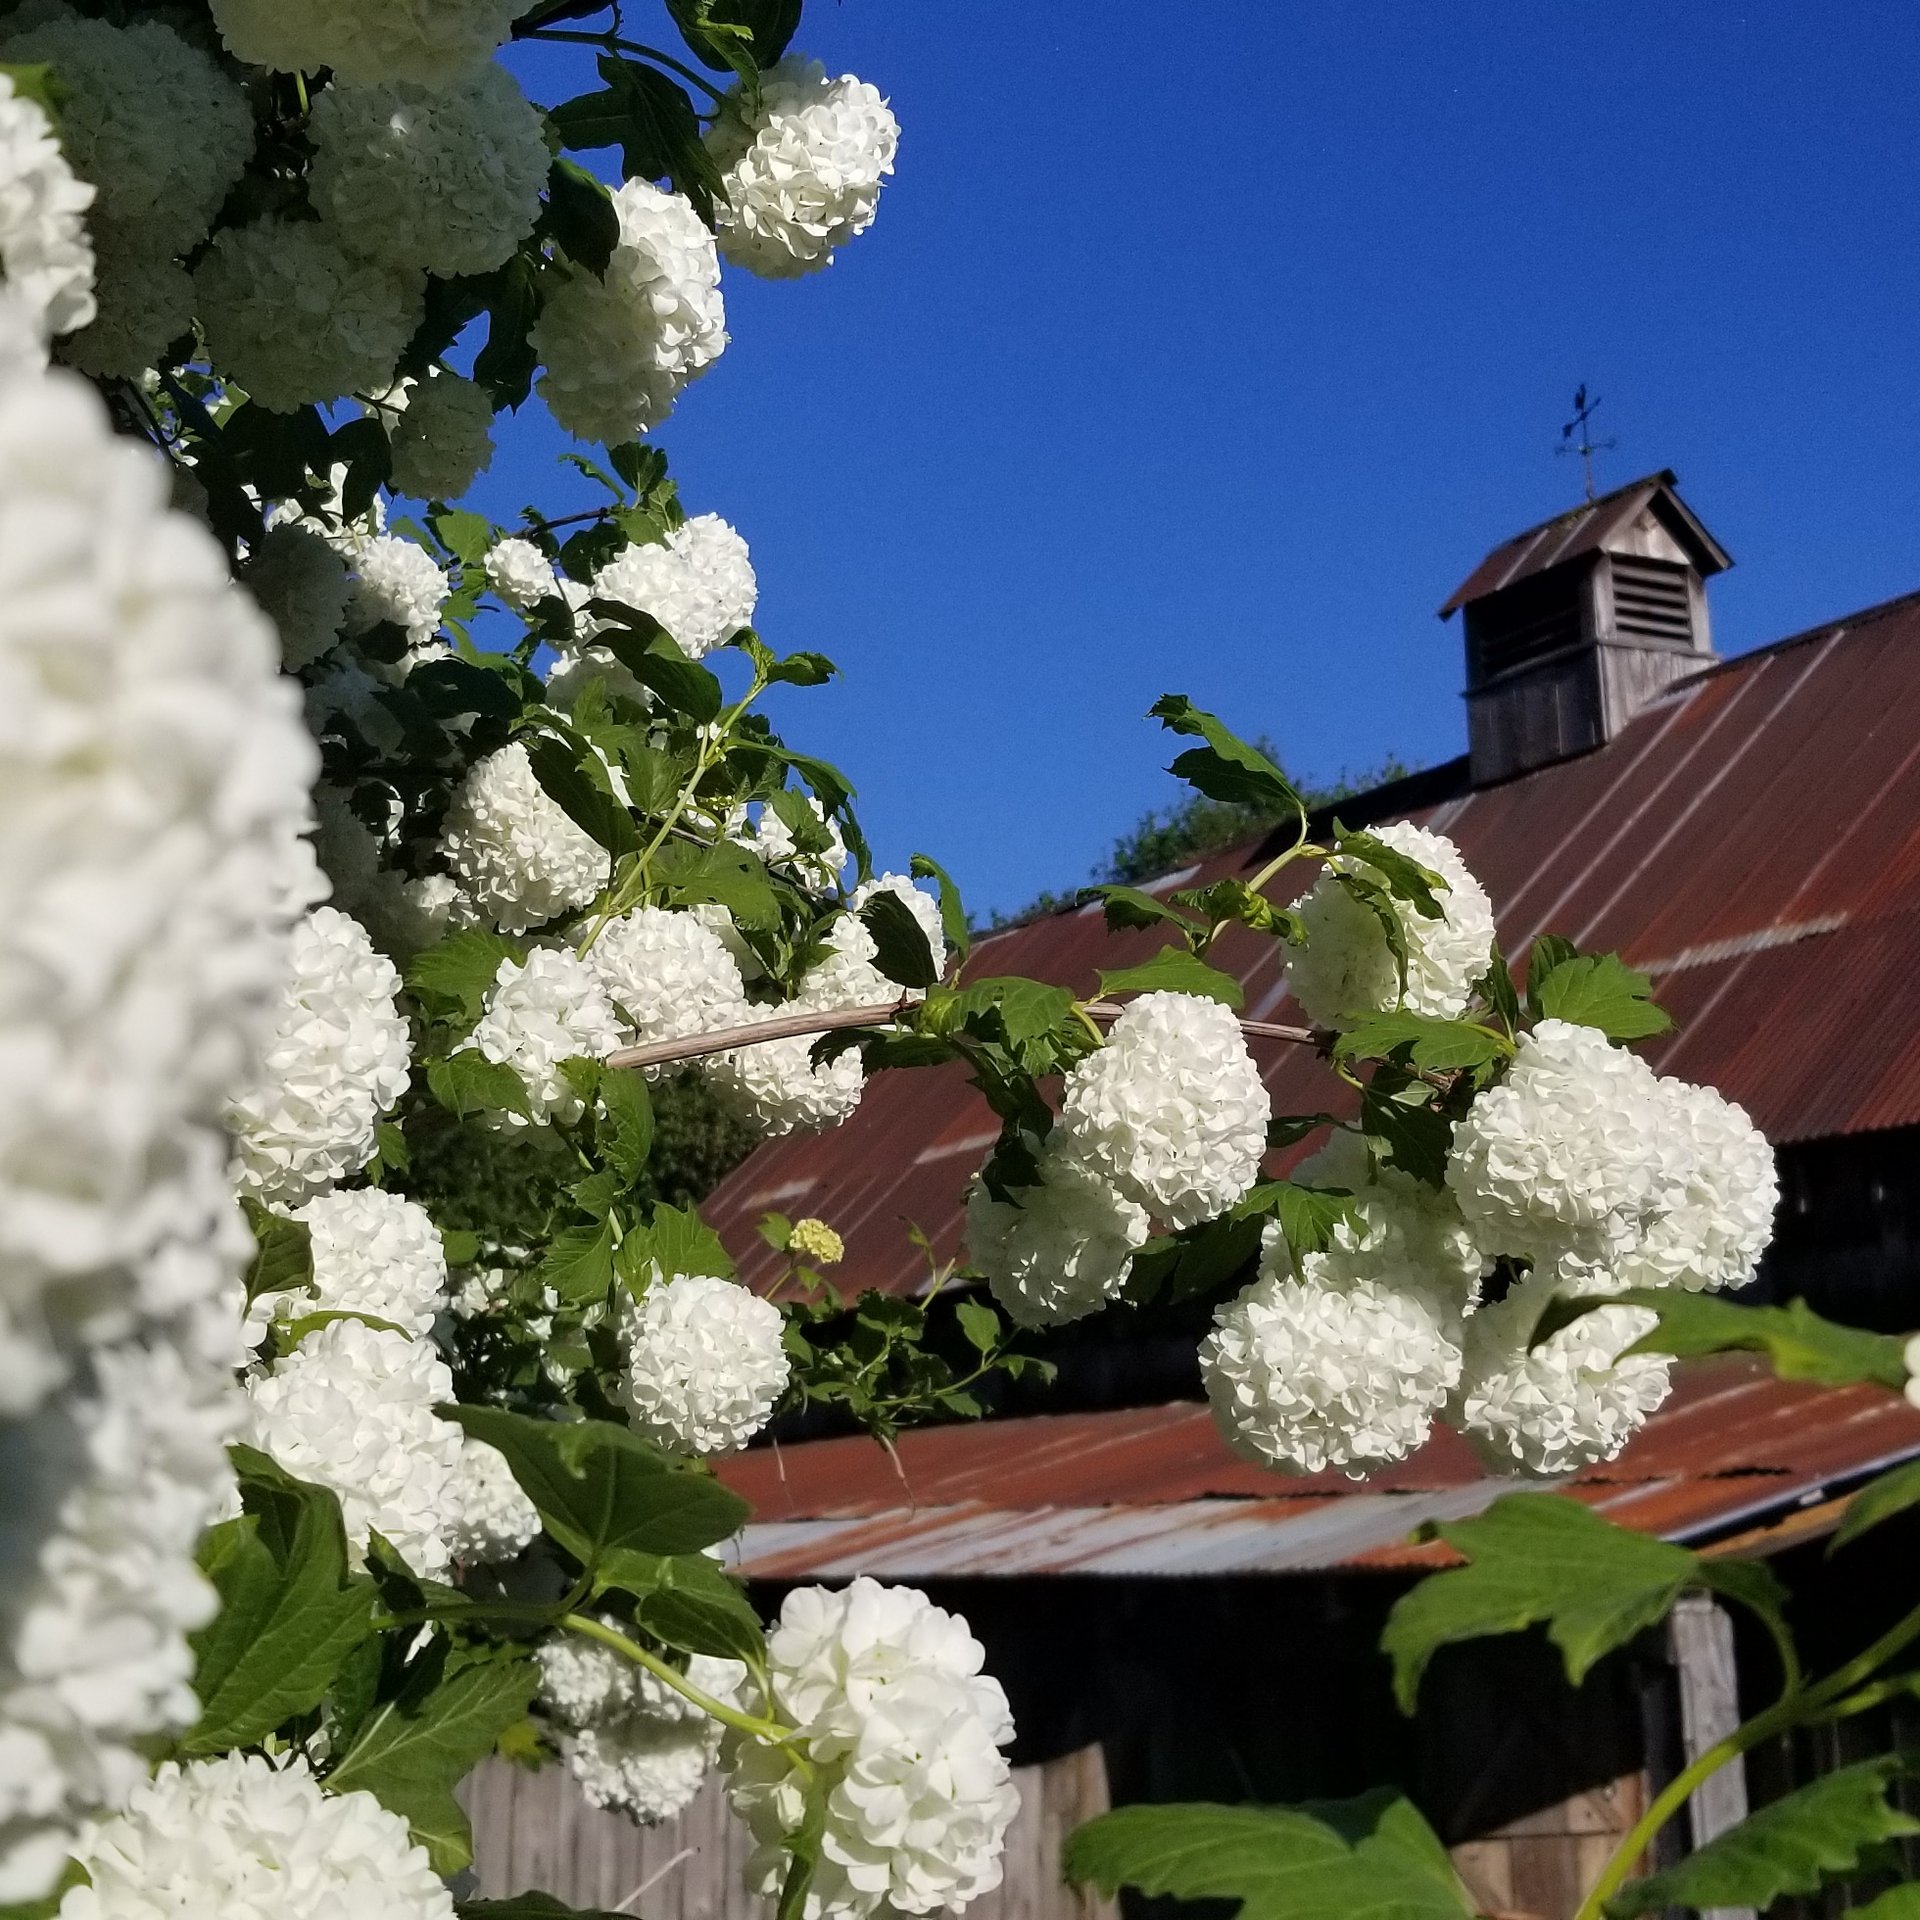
x,y
1211,357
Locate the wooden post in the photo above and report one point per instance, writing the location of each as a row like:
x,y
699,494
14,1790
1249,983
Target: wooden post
x,y
1706,1677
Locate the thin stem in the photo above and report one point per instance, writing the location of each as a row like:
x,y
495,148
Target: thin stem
x,y
664,1670
788,1026
614,44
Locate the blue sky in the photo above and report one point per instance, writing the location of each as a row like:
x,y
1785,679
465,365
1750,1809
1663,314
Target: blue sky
x,y
1211,360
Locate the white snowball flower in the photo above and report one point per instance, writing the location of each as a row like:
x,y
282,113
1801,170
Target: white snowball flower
x,y
581,1681
1346,969
649,1759
1303,1376
374,1253
669,976
1407,1235
492,1518
776,1085
520,575
293,317
153,782
145,304
449,179
351,1408
303,587
537,1016
1720,1221
108,1491
433,43
886,1692
1568,1403
243,1836
46,258
515,850
1910,1355
395,582
1062,1252
704,1363
698,583
849,975
803,174
1568,1156
772,839
131,94
1171,1111
443,437
618,348
336,1062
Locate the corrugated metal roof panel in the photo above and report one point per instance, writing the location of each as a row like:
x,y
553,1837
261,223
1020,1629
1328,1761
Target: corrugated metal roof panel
x,y
1154,1490
1755,833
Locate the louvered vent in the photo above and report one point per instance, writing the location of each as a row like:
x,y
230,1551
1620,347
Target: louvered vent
x,y
1651,602
1529,622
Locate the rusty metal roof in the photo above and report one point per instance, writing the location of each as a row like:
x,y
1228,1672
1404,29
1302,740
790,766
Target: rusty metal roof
x,y
1736,1457
1752,839
1587,528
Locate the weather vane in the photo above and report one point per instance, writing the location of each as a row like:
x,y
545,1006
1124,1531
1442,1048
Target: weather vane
x,y
1582,424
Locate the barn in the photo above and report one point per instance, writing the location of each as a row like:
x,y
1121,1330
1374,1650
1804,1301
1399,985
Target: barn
x,y
1172,1623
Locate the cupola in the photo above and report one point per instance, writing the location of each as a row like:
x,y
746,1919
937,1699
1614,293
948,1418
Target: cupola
x,y
1574,626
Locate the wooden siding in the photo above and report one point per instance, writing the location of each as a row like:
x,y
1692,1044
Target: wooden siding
x,y
535,1831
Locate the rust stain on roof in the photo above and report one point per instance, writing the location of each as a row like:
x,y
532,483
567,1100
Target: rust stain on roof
x,y
1735,1456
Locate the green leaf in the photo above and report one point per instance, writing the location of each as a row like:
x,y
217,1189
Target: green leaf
x,y
1438,1046
466,536
1129,909
1373,1856
1800,1345
291,1611
1791,1845
1495,987
953,910
626,1138
693,1606
1406,879
579,216
587,804
1226,768
1879,1500
1897,1903
980,1324
725,875
283,1260
505,365
1308,1216
1600,990
901,948
1417,1139
803,1851
1549,950
1174,970
601,1489
413,1750
1537,1558
452,978
651,121
468,1082
578,1263
38,82
676,1240
657,660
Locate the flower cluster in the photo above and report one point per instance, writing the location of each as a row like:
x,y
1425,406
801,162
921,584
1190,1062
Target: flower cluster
x,y
443,438
46,260
374,1253
1171,1112
886,1693
802,169
618,347
244,1835
1345,968
704,1363
491,1519
668,976
1057,1251
336,1061
635,1744
432,43
698,583
517,854
351,1408
538,1017
448,179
